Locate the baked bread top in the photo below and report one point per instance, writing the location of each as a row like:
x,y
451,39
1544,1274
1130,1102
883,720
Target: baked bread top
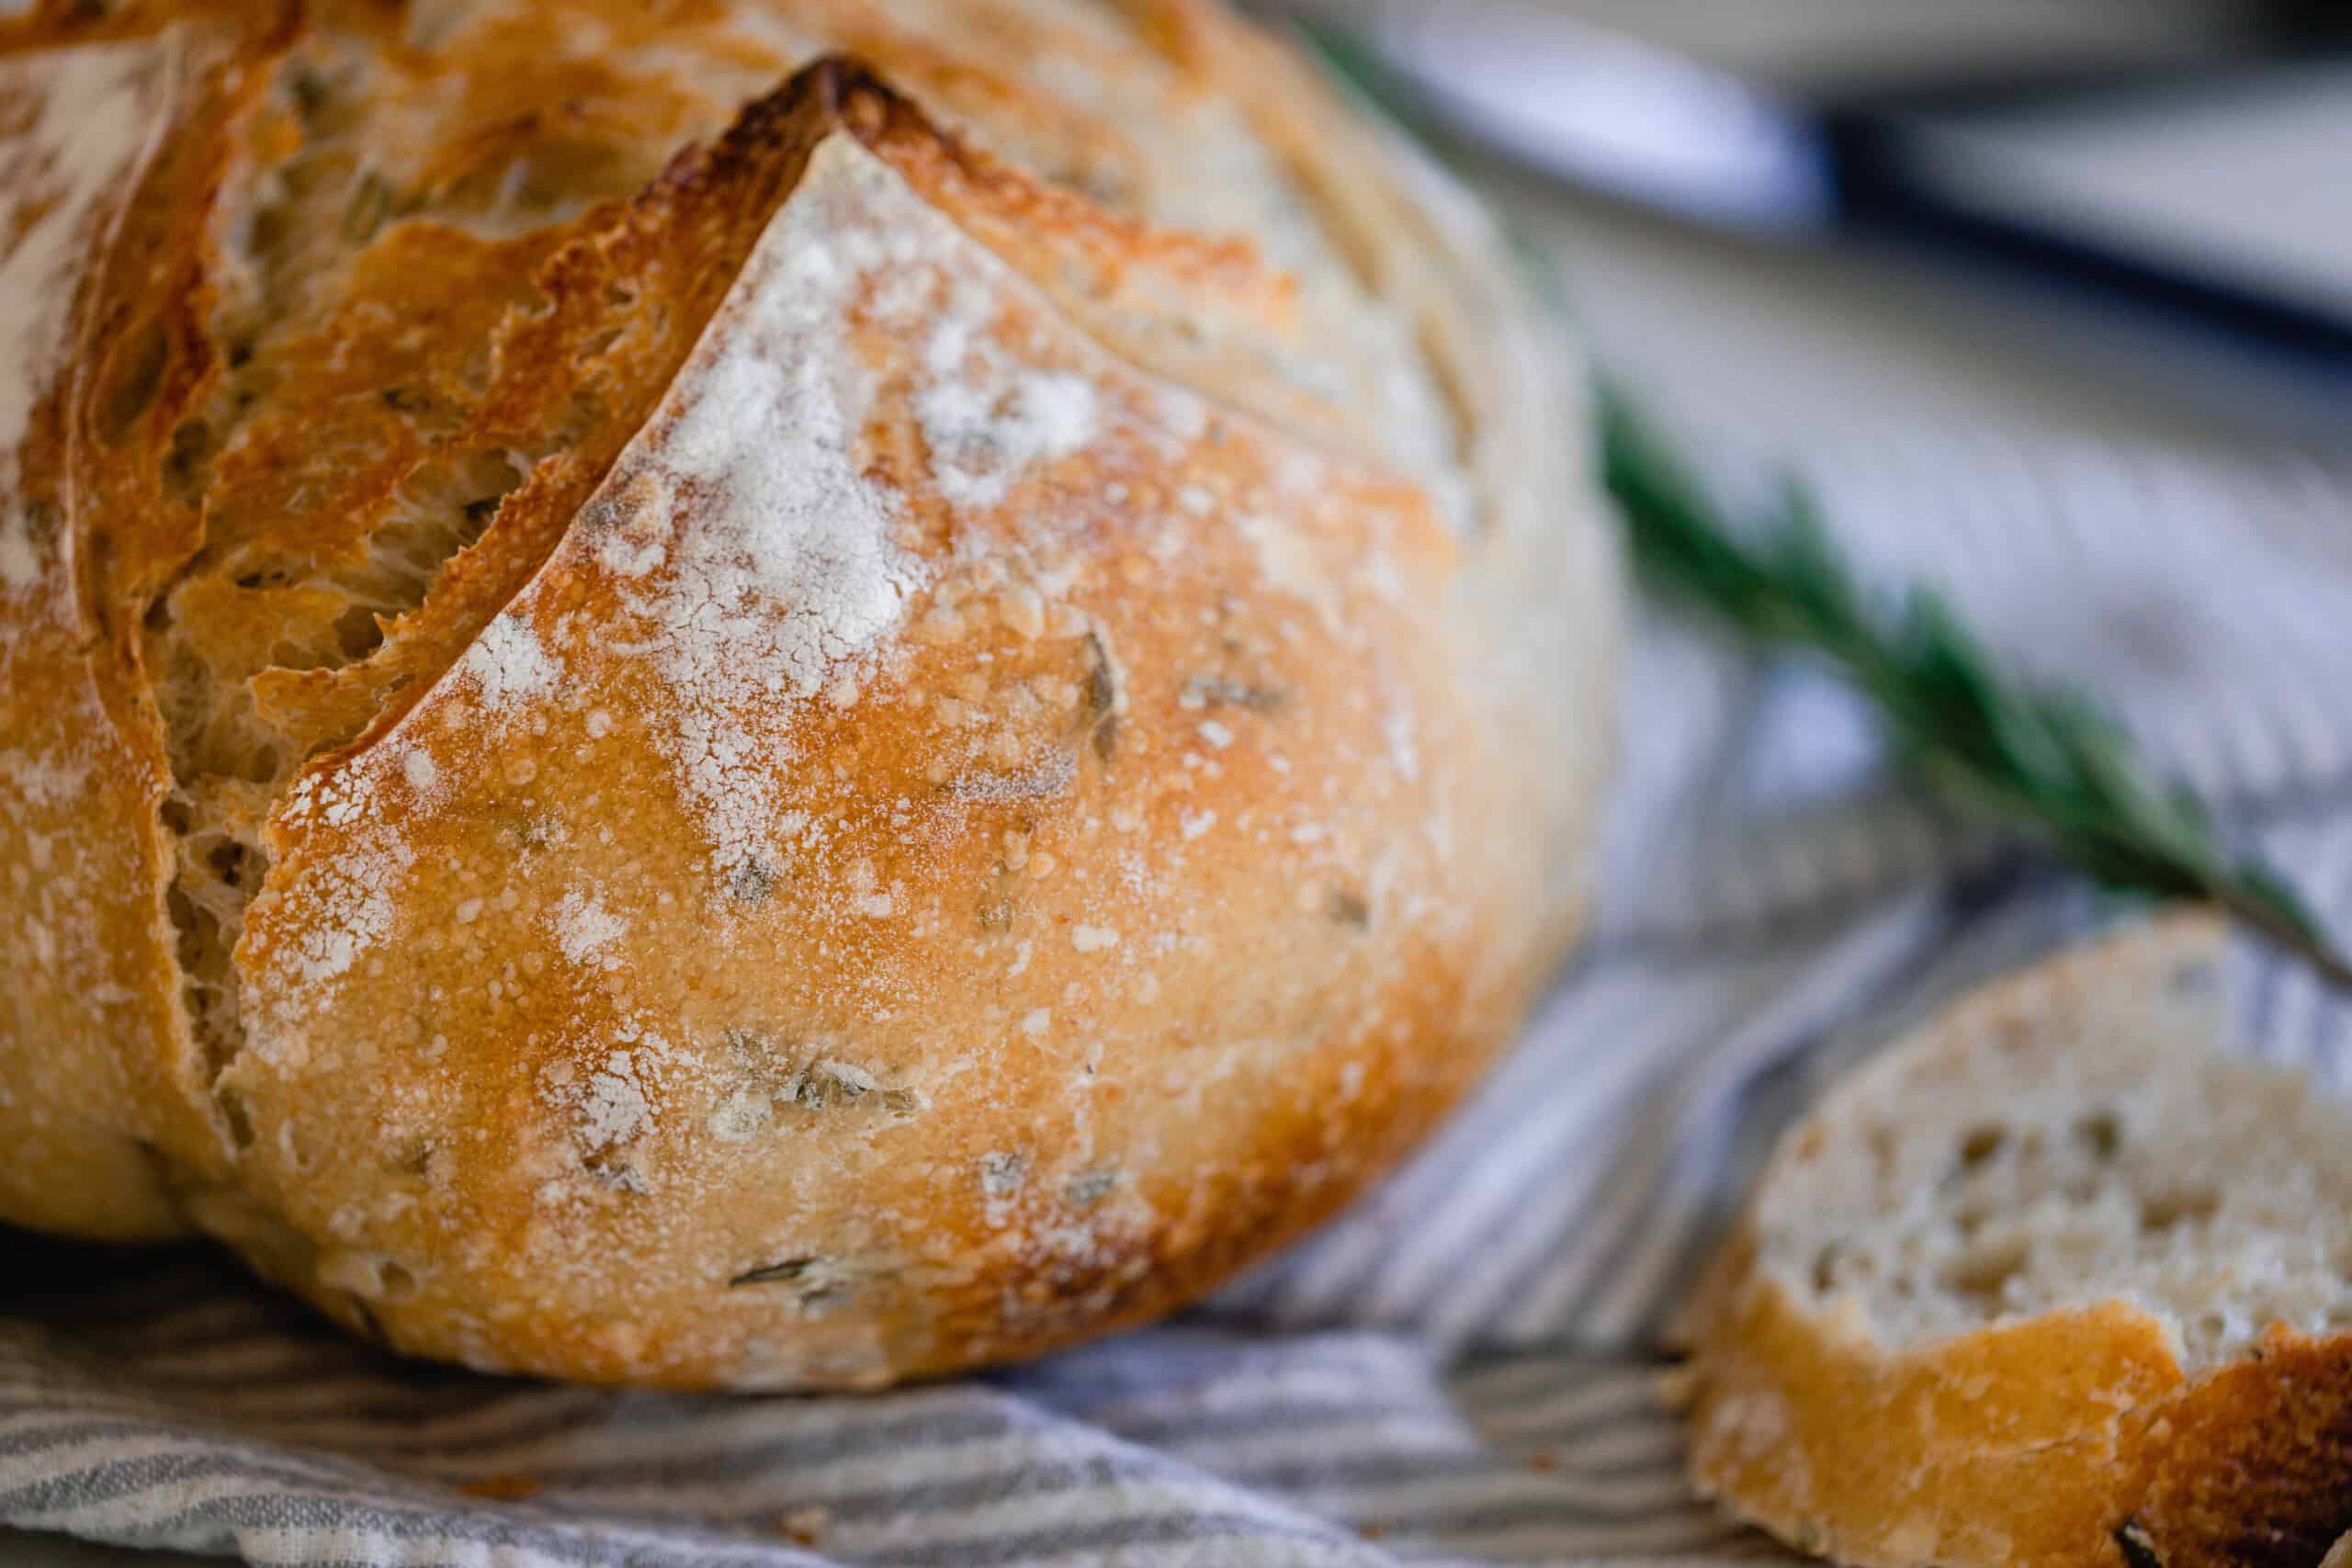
x,y
762,694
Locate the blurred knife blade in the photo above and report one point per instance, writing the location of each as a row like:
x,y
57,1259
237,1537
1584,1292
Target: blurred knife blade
x,y
1943,147
1602,108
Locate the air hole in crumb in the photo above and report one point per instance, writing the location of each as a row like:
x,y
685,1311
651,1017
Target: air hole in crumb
x,y
1985,1272
441,509
181,907
2101,1133
309,91
397,1283
1979,1145
265,230
234,1116
357,632
1824,1269
2200,977
175,814
228,861
2170,1210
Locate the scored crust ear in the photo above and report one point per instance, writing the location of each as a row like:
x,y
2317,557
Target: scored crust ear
x,y
565,374
333,485
576,362
619,309
114,151
818,884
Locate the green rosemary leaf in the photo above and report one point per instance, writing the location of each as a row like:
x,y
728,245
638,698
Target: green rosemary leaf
x,y
2044,761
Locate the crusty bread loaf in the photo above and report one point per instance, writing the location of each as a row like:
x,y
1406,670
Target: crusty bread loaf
x,y
2051,1283
761,694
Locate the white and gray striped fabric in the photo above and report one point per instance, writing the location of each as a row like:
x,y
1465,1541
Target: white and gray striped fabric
x,y
1460,1370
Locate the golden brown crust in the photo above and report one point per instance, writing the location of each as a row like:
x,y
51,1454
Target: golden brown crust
x,y
103,229
2251,1465
1093,767
2060,1440
788,761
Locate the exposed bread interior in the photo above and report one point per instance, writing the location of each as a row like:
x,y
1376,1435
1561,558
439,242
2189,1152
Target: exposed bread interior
x,y
2054,1280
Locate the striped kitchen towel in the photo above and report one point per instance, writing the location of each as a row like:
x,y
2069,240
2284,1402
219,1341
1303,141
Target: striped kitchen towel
x,y
1459,1371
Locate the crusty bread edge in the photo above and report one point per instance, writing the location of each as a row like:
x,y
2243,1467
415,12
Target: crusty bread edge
x,y
2064,1437
1892,1461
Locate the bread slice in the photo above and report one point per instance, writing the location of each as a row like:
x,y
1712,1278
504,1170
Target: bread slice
x,y
2051,1283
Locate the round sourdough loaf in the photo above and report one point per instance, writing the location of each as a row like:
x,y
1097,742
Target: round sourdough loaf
x,y
759,695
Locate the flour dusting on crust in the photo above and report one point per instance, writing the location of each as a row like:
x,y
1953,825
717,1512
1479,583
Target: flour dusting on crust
x,y
985,422
509,666
608,1102
741,527
585,929
762,559
355,897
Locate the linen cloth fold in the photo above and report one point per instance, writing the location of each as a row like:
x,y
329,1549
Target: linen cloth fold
x,y
1461,1369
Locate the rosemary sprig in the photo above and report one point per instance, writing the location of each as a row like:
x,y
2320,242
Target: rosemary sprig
x,y
2046,762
